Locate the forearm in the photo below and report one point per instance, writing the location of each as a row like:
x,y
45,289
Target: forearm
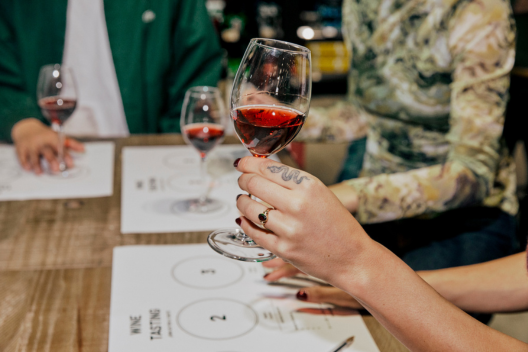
x,y
437,188
411,310
346,195
338,123
497,286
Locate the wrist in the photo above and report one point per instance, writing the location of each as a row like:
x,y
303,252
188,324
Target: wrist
x,y
355,271
376,269
23,126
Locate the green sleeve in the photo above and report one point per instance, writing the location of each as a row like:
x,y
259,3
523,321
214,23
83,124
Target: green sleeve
x,y
15,101
197,58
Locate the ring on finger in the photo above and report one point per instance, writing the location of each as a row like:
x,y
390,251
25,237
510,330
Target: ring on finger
x,y
263,217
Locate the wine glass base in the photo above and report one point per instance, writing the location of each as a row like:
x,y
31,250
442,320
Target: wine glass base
x,y
194,207
233,244
74,172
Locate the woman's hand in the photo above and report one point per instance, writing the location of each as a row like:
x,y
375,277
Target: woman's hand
x,y
281,269
313,231
310,227
33,140
315,294
332,295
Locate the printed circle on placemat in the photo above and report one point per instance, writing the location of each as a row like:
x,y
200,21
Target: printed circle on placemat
x,y
77,172
184,208
207,272
177,160
217,319
189,183
192,183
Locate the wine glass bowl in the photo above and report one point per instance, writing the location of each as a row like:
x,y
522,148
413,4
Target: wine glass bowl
x,y
269,104
271,95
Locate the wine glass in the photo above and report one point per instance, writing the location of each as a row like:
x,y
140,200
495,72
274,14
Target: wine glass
x,y
57,98
269,103
203,122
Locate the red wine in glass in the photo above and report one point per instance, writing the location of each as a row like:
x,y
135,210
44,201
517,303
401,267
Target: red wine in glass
x,y
266,129
204,136
57,109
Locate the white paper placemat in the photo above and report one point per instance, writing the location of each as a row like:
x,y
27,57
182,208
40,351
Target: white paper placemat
x,y
188,298
156,178
93,176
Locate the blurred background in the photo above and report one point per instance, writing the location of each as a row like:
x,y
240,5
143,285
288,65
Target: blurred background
x,y
312,23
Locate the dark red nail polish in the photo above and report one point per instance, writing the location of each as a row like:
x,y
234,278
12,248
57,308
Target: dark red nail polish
x,y
238,221
302,296
265,276
235,164
238,196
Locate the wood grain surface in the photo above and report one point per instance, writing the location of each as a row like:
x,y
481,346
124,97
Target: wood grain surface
x,y
55,267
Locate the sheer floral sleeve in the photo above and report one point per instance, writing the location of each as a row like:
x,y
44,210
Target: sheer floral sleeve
x,y
339,122
476,169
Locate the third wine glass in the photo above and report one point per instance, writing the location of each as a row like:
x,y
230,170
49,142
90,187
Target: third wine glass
x,y
57,98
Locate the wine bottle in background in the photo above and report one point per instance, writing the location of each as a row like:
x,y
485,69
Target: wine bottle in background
x,y
269,19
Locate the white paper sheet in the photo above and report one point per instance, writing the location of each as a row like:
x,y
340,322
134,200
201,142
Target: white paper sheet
x,y
93,176
155,179
188,298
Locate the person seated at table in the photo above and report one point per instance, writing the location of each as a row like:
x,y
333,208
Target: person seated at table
x,y
310,228
132,62
431,78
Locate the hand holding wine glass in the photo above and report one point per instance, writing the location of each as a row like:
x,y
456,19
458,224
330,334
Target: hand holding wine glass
x,y
269,103
33,140
309,226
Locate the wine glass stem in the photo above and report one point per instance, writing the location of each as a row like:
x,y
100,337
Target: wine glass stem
x,y
60,132
242,237
203,197
249,194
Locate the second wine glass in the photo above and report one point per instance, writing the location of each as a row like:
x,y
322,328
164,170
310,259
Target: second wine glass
x,y
269,103
203,122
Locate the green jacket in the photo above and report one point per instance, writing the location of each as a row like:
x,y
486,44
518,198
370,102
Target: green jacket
x,y
156,61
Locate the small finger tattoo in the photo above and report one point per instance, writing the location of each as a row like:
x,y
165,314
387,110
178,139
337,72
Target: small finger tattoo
x,y
288,175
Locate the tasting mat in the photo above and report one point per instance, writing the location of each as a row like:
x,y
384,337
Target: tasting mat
x,y
189,298
93,176
155,179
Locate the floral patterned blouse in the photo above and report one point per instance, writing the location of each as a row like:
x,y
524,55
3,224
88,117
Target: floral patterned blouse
x,y
431,78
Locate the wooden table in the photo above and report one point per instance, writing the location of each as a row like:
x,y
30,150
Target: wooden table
x,y
55,267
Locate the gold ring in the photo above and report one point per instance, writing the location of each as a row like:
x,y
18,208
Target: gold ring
x,y
263,217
